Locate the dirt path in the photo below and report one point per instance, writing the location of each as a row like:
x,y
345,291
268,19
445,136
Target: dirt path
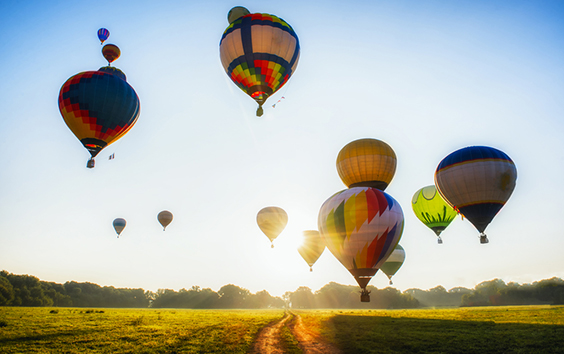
x,y
309,342
269,341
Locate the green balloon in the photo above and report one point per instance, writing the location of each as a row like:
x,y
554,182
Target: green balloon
x,y
394,262
432,209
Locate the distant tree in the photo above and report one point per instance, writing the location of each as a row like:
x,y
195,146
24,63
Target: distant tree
x,y
232,296
6,291
263,300
302,298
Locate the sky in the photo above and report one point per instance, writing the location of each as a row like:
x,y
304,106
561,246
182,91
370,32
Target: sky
x,y
427,77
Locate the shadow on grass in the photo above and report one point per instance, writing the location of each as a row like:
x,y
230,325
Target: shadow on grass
x,y
365,334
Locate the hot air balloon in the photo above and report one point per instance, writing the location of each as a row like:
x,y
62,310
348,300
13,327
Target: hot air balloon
x,y
111,52
103,34
272,220
477,181
361,226
165,218
432,210
99,108
312,247
259,53
119,225
394,262
367,163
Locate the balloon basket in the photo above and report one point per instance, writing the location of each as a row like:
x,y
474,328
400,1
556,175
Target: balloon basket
x,y
90,163
365,296
484,239
440,241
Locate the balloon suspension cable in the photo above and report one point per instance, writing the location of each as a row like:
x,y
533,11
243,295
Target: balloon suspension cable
x,y
260,111
483,238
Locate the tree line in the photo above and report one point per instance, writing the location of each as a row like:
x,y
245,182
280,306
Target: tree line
x,y
27,290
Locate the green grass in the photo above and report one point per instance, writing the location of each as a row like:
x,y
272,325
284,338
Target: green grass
x,y
527,329
71,330
518,329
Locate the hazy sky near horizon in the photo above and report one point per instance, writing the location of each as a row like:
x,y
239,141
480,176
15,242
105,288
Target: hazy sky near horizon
x,y
427,77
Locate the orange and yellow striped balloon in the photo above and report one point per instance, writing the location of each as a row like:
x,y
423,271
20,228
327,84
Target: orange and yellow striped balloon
x,y
367,163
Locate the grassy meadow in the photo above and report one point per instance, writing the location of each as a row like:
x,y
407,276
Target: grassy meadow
x,y
74,330
518,329
507,329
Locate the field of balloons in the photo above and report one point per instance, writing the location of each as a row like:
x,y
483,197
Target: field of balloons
x,y
537,329
361,226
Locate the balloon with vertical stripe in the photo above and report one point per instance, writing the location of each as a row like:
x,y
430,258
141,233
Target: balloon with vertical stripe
x,y
477,181
259,53
361,226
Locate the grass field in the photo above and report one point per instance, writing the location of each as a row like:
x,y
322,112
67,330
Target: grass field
x,y
517,329
523,329
72,330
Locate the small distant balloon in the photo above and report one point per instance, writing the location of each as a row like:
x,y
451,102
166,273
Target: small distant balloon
x,y
312,247
103,34
165,218
272,221
119,225
394,262
236,12
111,52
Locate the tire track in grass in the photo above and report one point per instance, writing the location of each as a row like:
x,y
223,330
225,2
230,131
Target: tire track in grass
x,y
310,342
269,340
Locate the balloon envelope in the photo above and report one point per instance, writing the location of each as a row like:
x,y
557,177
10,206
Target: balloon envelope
x,y
432,210
111,52
312,247
103,34
259,53
361,226
272,221
367,163
165,218
119,225
99,108
394,262
236,12
477,181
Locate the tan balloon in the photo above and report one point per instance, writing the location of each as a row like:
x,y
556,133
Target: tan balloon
x,y
272,221
367,163
312,247
165,218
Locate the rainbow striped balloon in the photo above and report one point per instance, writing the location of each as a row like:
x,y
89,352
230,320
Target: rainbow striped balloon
x,y
361,226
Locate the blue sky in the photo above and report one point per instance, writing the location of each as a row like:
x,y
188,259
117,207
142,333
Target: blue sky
x,y
427,77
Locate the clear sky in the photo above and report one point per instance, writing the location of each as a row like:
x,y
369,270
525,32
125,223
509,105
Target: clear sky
x,y
427,77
